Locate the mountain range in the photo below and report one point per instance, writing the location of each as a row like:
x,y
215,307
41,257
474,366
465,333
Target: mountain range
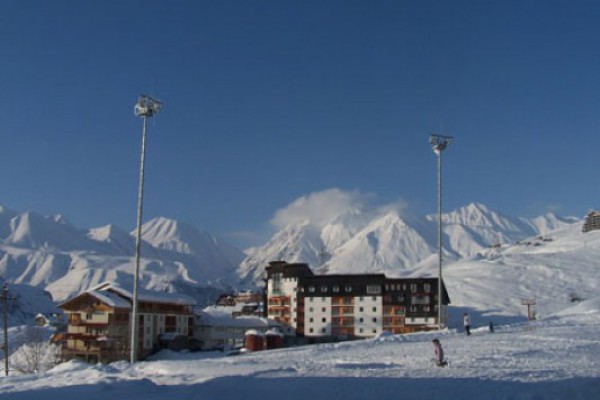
x,y
391,242
50,253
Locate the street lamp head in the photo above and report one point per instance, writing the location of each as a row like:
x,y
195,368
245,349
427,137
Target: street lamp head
x,y
439,142
147,106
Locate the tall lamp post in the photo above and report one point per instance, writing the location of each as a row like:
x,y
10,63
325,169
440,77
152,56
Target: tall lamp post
x,y
439,144
145,107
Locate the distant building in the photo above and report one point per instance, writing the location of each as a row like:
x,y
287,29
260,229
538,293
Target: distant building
x,y
340,307
99,322
218,327
592,221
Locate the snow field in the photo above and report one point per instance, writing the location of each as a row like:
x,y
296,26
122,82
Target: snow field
x,y
555,358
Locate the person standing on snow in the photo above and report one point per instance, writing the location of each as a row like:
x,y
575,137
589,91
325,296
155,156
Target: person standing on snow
x,y
467,324
439,353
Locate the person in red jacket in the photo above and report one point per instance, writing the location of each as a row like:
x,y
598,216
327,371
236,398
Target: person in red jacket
x,y
439,353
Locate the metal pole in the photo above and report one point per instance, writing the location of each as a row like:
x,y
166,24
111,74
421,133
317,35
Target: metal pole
x,y
5,326
440,240
138,241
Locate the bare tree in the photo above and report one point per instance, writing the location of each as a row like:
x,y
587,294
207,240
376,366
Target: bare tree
x,y
36,352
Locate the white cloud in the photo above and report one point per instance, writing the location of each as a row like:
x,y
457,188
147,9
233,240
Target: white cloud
x,y
322,207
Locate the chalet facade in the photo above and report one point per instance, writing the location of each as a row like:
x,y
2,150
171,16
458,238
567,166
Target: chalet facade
x,y
324,307
99,322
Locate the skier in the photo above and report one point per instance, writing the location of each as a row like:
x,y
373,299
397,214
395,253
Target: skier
x,y
491,327
467,324
439,353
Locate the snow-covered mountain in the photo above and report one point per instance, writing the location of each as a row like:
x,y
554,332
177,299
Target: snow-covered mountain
x,y
50,253
391,242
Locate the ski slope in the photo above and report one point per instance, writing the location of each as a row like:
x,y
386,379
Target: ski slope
x,y
554,358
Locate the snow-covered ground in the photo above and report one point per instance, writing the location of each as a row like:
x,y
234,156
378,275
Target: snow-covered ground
x,y
554,358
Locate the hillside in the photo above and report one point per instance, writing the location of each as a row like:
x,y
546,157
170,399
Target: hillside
x,y
50,253
392,242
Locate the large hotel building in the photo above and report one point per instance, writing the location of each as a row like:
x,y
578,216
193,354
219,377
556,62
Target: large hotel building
x,y
330,307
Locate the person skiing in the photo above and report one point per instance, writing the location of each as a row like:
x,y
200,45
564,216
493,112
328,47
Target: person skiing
x,y
439,353
467,324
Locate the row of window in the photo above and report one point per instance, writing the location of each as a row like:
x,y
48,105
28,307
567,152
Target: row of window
x,y
324,309
360,320
402,287
347,300
324,330
373,289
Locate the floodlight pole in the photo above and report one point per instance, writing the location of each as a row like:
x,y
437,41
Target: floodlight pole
x,y
439,144
145,107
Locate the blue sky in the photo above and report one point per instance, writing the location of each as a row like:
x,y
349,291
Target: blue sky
x,y
267,101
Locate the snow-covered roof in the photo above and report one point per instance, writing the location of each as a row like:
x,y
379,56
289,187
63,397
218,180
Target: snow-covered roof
x,y
145,295
110,299
221,316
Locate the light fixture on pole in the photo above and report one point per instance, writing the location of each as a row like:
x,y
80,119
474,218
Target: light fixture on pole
x,y
439,144
145,107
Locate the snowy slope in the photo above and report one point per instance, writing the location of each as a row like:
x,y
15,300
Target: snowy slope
x,y
50,253
380,240
552,359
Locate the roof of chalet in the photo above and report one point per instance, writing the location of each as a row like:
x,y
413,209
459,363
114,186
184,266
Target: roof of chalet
x,y
115,296
147,295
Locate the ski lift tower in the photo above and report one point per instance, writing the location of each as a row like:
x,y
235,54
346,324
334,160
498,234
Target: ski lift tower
x,y
439,144
145,107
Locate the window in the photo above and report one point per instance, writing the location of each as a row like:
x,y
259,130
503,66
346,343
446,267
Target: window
x,y
361,320
323,319
387,287
374,309
311,289
310,320
427,287
413,287
426,308
323,299
361,298
400,299
89,316
323,309
360,309
324,289
374,298
336,288
373,289
323,330
311,330
414,308
361,330
310,299
374,330
348,288
374,319
310,309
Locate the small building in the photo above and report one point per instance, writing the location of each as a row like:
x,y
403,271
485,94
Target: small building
x,y
99,322
217,328
592,221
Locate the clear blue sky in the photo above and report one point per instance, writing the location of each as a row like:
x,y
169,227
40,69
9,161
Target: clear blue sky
x,y
266,101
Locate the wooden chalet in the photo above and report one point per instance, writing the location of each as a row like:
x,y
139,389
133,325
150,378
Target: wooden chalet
x,y
99,322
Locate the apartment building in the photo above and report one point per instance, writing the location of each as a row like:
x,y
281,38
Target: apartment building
x,y
349,306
